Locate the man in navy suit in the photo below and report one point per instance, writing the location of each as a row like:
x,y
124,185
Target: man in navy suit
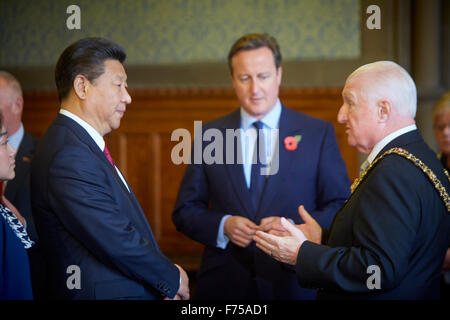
x,y
17,190
96,239
222,205
390,238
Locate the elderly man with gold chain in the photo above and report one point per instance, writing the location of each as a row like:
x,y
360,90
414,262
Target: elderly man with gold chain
x,y
389,239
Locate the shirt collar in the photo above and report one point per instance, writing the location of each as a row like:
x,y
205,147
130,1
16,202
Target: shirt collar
x,y
86,126
384,142
16,138
270,120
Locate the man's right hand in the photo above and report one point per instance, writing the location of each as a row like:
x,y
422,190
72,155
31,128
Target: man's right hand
x,y
239,230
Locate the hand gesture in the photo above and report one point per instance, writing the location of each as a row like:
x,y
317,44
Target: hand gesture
x,y
311,229
273,226
284,249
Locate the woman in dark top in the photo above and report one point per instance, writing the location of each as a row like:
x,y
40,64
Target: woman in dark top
x,y
441,124
15,280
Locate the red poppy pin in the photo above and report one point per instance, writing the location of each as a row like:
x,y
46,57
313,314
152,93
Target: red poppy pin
x,y
26,159
291,143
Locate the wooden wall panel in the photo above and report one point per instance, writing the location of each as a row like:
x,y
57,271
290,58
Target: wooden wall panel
x,y
142,145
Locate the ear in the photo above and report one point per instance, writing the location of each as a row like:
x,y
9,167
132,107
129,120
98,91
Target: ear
x,y
80,86
384,109
17,105
279,74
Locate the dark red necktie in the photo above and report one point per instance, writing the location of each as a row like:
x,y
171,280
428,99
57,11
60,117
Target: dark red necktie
x,y
108,156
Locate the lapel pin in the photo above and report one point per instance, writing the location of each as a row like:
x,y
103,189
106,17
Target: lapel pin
x,y
291,143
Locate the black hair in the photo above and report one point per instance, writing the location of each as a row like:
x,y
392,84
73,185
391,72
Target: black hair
x,y
86,57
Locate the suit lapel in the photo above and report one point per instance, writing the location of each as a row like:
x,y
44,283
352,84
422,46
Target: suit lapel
x,y
236,170
286,128
401,142
87,139
138,214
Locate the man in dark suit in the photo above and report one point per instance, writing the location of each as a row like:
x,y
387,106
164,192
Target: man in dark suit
x,y
95,236
390,238
286,158
17,190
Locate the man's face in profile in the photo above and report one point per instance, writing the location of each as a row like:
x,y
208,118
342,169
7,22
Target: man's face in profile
x,y
107,97
256,80
359,114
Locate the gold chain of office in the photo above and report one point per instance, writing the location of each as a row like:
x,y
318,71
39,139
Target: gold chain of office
x,y
428,172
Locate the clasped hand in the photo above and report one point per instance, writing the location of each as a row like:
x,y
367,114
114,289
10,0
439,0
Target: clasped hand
x,y
241,230
275,235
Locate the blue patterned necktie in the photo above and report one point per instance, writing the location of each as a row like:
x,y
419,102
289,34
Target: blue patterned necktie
x,y
258,179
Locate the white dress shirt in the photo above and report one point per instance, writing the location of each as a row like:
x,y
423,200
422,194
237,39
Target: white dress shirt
x,y
384,142
270,122
16,138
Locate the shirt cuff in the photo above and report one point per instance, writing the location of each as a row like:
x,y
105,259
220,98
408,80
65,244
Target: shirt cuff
x,y
222,239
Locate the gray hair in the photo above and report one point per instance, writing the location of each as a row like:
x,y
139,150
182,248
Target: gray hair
x,y
394,82
11,82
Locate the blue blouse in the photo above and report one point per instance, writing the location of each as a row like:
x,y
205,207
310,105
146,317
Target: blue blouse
x,y
15,281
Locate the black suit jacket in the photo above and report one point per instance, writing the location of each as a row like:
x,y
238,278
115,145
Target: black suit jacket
x,y
395,220
313,175
86,217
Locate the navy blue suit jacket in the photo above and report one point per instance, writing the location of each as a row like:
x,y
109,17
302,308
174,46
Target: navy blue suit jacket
x,y
86,217
314,175
395,220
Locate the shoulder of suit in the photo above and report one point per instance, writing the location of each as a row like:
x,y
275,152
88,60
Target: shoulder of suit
x,y
27,145
396,165
299,118
303,119
29,139
224,121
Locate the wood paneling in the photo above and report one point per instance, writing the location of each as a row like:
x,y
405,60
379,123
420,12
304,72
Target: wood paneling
x,y
142,145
